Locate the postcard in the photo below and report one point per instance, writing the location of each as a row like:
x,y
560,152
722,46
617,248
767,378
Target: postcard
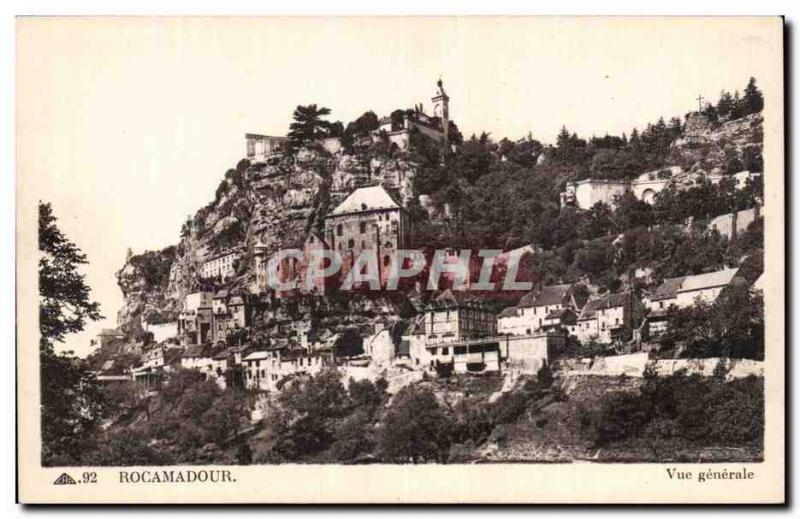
x,y
400,260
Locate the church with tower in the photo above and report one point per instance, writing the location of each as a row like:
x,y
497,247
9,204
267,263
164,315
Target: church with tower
x,y
435,126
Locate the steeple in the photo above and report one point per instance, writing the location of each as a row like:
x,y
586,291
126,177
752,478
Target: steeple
x,y
441,109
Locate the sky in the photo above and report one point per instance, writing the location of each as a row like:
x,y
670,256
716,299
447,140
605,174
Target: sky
x,y
127,125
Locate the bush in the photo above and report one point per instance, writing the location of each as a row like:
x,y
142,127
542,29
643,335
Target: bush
x,y
681,408
416,428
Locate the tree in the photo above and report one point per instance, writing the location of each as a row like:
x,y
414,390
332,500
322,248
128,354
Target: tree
x,y
308,124
416,428
71,399
366,122
732,327
753,100
725,104
64,304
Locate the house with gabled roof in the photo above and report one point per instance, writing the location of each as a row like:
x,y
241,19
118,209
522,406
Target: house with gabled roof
x,y
685,291
257,369
197,357
453,316
539,308
610,318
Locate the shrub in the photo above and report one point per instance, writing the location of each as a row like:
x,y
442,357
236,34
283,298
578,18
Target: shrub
x,y
416,428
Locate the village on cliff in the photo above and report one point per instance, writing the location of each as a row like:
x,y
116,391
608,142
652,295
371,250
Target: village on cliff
x,y
209,306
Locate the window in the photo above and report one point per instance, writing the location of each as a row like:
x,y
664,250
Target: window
x,y
351,244
445,351
362,227
339,230
363,207
386,260
388,245
661,304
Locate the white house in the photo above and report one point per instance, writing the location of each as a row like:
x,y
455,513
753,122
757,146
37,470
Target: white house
x,y
685,291
197,357
531,314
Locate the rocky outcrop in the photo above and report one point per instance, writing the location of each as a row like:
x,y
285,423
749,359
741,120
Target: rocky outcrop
x,y
144,281
713,147
276,205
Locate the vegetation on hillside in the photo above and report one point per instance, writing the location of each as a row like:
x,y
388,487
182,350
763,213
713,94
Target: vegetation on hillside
x,y
679,414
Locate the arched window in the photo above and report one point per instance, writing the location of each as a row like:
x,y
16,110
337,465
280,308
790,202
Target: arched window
x,y
363,227
339,230
351,244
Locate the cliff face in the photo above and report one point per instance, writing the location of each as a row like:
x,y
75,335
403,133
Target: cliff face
x,y
720,147
143,281
276,204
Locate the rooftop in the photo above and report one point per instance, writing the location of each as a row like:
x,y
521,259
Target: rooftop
x,y
719,278
110,332
196,351
511,311
604,302
257,355
454,299
366,199
672,286
259,136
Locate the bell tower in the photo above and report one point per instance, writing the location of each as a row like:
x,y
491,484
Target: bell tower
x,y
441,109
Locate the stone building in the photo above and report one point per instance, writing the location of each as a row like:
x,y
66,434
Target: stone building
x,y
584,194
610,318
540,308
161,331
436,127
108,337
263,369
229,314
450,317
261,148
369,219
196,319
197,357
222,264
294,267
